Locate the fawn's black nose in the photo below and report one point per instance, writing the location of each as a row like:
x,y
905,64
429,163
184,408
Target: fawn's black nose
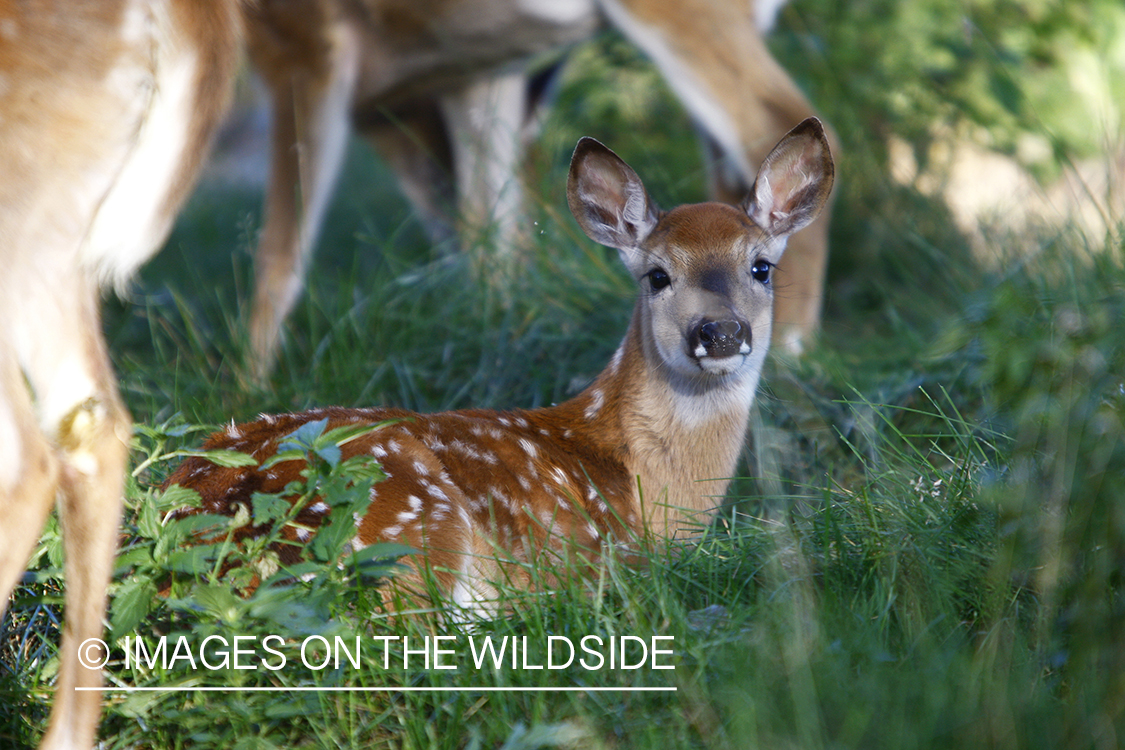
x,y
720,338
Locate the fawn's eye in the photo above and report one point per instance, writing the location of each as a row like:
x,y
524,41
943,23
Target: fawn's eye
x,y
658,279
761,271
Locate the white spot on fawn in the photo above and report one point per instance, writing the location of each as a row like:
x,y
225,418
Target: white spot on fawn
x,y
615,363
597,400
469,450
499,496
529,447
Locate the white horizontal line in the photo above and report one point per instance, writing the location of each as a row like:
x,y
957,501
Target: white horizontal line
x,y
423,689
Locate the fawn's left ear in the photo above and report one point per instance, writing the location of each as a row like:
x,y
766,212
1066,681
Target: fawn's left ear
x,y
794,181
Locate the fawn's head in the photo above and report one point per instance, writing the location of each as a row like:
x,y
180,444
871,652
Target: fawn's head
x,y
706,302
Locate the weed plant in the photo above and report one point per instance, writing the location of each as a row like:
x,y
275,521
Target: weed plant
x,y
924,548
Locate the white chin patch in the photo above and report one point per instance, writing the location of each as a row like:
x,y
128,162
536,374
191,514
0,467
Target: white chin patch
x,y
701,351
721,365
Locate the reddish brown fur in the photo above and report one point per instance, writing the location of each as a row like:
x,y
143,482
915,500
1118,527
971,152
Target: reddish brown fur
x,y
557,494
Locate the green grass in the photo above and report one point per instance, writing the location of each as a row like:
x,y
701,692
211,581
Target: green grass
x,y
924,549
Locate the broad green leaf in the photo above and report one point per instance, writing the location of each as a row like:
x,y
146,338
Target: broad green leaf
x,y
287,453
349,432
131,603
225,458
177,497
304,437
330,453
133,557
195,561
219,600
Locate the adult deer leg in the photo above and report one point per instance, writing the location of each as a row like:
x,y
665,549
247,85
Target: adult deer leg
x,y
28,475
309,138
485,121
86,431
414,142
466,143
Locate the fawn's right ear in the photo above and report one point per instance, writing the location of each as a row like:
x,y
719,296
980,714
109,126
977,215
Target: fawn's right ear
x,y
607,198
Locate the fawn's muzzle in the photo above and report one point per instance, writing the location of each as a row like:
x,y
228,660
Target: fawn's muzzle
x,y
719,338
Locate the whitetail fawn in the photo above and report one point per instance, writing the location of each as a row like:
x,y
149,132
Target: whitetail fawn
x,y
439,88
650,444
106,111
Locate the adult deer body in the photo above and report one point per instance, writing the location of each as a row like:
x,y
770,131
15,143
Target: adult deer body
x,y
106,109
438,87
649,445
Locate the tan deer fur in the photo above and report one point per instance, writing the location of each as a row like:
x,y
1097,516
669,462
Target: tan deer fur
x,y
106,110
439,88
649,446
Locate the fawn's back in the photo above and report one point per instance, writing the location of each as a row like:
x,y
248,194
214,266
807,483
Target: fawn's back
x,y
649,446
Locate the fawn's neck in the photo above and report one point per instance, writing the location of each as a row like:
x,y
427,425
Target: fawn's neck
x,y
680,439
